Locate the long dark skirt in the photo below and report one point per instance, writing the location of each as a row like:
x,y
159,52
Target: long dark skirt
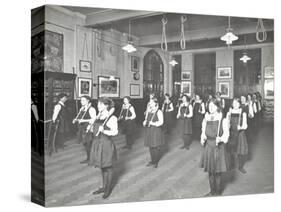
x,y
242,146
103,152
214,158
168,121
153,137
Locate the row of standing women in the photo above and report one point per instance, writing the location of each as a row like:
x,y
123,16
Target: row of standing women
x,y
222,136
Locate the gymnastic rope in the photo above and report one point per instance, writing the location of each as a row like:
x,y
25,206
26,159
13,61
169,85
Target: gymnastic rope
x,y
164,45
260,29
182,37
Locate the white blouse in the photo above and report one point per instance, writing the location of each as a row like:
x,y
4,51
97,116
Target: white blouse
x,y
225,127
112,124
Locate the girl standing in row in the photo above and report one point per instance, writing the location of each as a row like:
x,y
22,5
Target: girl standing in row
x,y
127,117
167,109
86,116
103,152
215,133
198,115
153,132
185,113
238,146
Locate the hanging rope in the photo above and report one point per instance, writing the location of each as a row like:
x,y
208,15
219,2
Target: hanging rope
x,y
260,29
85,46
164,45
182,37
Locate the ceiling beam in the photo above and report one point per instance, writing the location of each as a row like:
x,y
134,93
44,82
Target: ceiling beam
x,y
202,34
113,15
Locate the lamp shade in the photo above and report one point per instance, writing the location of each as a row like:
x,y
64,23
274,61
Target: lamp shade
x,y
129,47
245,58
173,62
229,37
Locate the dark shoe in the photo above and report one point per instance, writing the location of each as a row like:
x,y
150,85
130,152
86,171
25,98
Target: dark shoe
x,y
149,164
106,194
155,165
209,194
99,191
182,147
187,147
84,161
242,170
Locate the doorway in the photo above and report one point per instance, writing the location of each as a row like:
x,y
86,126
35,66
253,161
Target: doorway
x,y
153,75
205,73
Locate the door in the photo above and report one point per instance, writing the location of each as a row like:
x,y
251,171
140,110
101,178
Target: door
x,y
205,73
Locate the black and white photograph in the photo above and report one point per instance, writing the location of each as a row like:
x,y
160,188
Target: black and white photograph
x,y
162,108
85,66
186,75
109,86
224,89
186,87
224,72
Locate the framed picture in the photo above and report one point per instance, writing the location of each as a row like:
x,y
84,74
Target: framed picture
x,y
224,73
84,87
135,64
186,87
134,90
53,51
85,66
269,89
224,89
268,72
108,87
186,75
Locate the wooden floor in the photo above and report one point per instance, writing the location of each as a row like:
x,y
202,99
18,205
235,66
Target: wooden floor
x,y
68,182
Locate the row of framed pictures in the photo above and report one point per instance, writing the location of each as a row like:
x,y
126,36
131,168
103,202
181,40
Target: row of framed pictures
x,y
226,73
269,83
223,88
86,66
107,87
222,73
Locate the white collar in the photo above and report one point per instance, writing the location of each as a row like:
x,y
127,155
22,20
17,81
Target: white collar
x,y
60,102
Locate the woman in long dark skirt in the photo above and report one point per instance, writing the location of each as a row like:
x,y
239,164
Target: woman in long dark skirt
x,y
85,117
167,110
185,113
153,132
215,133
127,120
237,144
198,115
103,152
251,116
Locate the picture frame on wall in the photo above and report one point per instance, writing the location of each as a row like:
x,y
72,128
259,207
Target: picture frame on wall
x,y
269,72
186,87
108,87
135,63
84,87
269,89
85,66
224,89
134,89
224,73
186,75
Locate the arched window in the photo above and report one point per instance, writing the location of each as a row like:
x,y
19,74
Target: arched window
x,y
153,74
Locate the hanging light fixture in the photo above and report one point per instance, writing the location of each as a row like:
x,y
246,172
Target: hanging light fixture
x,y
173,62
229,37
245,57
129,47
